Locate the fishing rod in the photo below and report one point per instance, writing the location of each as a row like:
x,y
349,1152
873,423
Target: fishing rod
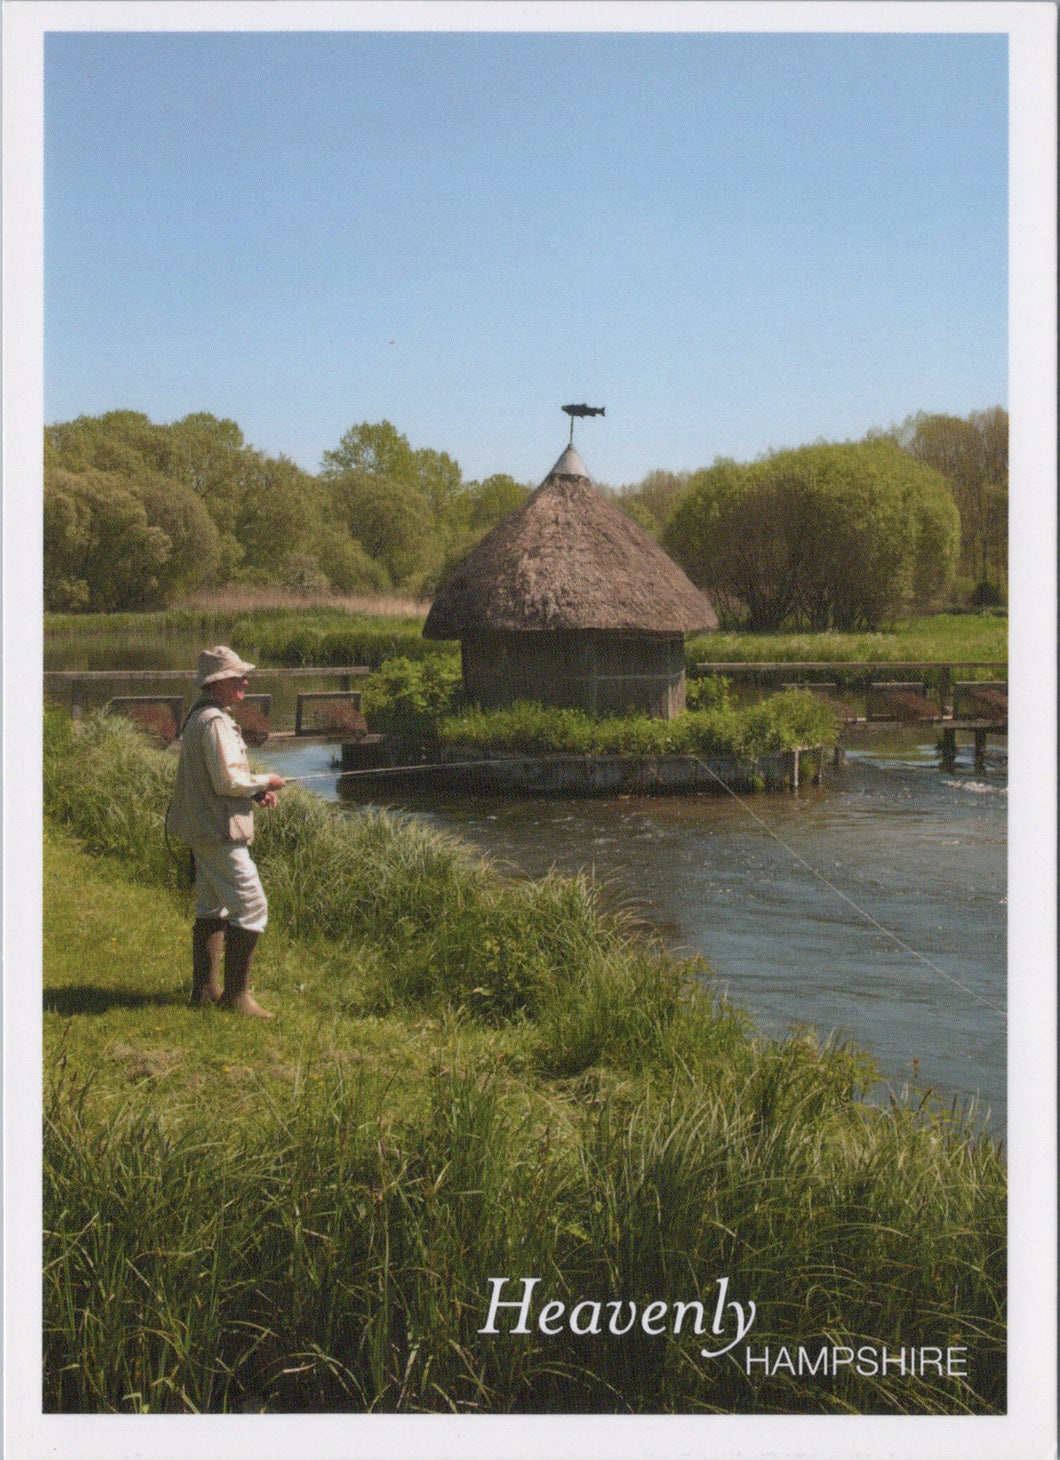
x,y
391,770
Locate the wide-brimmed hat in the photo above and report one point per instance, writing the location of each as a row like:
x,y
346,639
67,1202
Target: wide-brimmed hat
x,y
220,663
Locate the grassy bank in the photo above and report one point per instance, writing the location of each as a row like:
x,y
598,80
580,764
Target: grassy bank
x,y
424,698
469,1077
281,635
285,631
943,637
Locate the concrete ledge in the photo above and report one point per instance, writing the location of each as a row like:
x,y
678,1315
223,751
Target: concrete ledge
x,y
469,770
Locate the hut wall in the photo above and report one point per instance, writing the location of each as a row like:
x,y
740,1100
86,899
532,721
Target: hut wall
x,y
602,672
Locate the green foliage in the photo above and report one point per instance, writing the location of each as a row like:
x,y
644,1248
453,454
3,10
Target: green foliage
x,y
651,500
947,638
781,722
381,451
387,517
493,499
407,697
101,549
104,782
242,1227
138,515
711,692
321,638
826,537
972,454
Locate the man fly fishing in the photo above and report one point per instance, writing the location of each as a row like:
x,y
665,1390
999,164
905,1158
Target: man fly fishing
x,y
213,812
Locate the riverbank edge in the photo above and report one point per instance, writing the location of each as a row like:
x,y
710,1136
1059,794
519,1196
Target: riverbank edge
x,y
671,1147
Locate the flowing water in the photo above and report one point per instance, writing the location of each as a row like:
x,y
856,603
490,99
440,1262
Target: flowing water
x,y
921,852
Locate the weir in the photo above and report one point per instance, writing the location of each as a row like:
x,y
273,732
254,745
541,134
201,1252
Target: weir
x,y
320,714
951,706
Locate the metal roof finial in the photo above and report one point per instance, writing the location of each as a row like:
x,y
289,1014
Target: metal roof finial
x,y
582,410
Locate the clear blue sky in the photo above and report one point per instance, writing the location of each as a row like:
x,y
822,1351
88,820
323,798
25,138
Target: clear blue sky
x,y
733,242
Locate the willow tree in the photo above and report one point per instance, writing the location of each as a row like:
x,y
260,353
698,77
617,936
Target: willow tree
x,y
824,537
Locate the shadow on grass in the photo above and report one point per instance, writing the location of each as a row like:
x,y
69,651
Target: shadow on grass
x,y
91,999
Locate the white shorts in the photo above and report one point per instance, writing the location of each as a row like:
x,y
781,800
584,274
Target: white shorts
x,y
227,886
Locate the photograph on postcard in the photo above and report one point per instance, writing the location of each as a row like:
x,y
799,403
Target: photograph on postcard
x,y
525,750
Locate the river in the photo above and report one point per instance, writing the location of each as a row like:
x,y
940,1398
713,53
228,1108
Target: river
x,y
787,898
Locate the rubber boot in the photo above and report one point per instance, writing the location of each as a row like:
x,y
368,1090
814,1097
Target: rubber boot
x,y
239,955
207,946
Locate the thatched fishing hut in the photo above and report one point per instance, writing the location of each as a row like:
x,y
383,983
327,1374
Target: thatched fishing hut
x,y
570,602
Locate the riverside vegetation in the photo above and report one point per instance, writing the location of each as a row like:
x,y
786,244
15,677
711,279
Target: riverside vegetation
x,y
294,636
139,515
471,1076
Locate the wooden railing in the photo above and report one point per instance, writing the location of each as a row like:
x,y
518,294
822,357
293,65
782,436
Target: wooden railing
x,y
76,681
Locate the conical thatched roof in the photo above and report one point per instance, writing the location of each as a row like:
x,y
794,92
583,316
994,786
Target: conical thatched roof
x,y
568,559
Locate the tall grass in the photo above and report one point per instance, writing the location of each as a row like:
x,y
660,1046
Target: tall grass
x,y
280,636
314,1262
632,1140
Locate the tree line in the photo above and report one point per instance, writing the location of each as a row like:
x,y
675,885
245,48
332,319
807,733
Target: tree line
x,y
138,515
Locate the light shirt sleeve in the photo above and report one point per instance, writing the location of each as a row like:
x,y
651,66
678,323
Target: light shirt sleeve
x,y
226,760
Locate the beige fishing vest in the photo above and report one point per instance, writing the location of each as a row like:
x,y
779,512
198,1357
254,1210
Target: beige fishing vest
x,y
197,814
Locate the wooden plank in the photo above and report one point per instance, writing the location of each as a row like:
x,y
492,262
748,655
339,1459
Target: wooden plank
x,y
981,697
157,715
900,700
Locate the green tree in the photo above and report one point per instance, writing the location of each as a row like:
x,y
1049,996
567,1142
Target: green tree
x,y
380,449
101,552
972,454
201,454
279,513
825,537
651,500
345,564
391,521
194,543
491,500
376,449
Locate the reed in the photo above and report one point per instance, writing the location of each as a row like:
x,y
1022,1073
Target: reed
x,y
945,637
318,1261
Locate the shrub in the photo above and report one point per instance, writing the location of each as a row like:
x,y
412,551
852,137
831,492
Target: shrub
x,y
407,697
778,723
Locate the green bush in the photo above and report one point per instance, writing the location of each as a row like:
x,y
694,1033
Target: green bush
x,y
407,697
793,718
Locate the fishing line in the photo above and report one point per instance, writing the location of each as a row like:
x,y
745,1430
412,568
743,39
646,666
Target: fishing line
x,y
862,912
952,978
392,770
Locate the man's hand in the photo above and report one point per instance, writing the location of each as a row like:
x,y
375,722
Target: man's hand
x,y
267,796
